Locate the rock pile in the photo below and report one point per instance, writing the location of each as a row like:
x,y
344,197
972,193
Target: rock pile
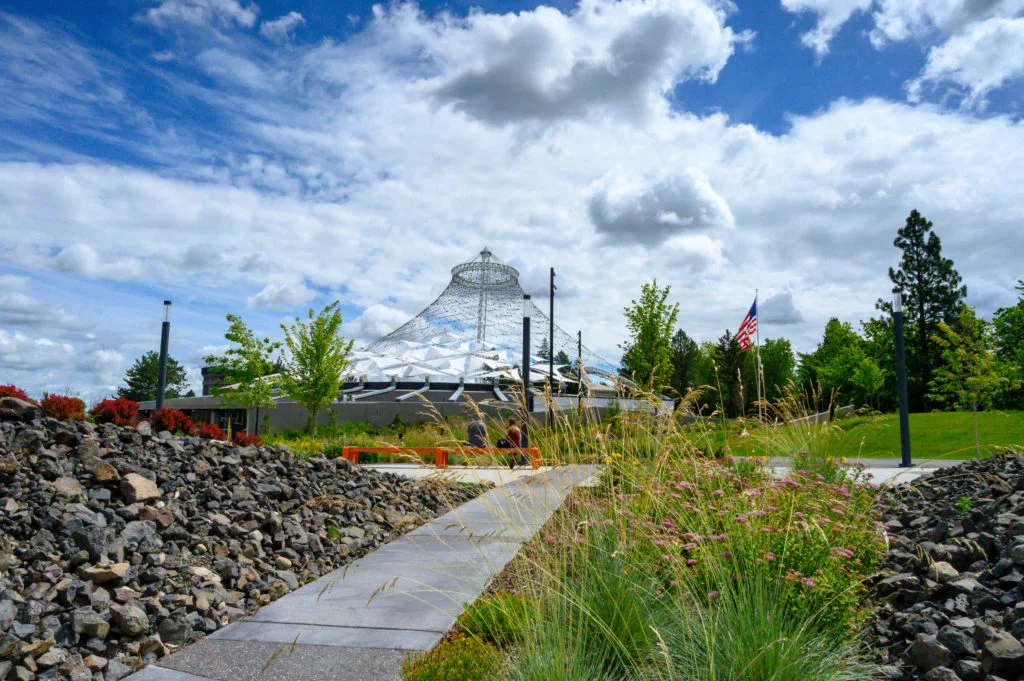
x,y
953,605
119,544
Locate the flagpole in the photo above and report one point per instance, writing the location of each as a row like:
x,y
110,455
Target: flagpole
x,y
757,346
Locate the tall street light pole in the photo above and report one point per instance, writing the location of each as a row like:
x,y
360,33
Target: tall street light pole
x,y
901,376
551,353
527,396
165,337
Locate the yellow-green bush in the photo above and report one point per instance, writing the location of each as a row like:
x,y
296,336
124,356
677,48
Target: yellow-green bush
x,y
461,658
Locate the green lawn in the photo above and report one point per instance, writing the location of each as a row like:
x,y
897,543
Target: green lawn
x,y
934,435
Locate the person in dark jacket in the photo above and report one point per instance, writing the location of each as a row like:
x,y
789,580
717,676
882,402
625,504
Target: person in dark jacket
x,y
477,434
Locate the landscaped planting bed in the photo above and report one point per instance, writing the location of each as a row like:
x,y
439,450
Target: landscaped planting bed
x,y
681,567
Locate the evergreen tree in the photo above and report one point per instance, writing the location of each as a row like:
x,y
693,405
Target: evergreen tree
x,y
932,293
142,377
647,357
729,357
544,351
684,357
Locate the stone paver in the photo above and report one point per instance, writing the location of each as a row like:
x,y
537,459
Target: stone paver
x,y
358,622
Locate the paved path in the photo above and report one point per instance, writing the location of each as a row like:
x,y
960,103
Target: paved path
x,y
499,475
883,471
358,623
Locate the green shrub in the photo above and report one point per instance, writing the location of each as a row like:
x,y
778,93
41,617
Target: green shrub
x,y
461,658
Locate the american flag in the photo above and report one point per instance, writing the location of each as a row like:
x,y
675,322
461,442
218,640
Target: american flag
x,y
748,327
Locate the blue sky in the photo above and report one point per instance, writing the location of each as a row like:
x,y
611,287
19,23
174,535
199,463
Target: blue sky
x,y
261,157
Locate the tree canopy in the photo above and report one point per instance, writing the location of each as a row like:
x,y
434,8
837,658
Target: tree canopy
x,y
248,367
143,375
647,356
317,360
932,294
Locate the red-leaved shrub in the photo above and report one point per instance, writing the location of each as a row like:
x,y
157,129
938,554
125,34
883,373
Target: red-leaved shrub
x,y
173,420
244,439
62,407
14,391
120,412
211,431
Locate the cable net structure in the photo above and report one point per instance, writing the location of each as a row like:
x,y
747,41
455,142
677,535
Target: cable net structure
x,y
474,330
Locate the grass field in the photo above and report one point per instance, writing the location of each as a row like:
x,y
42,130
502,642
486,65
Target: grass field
x,y
934,435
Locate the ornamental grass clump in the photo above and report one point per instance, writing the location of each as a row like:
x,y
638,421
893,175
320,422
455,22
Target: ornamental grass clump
x,y
679,566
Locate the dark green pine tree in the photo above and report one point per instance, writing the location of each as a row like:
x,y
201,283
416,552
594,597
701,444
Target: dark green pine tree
x,y
685,353
932,293
729,357
142,377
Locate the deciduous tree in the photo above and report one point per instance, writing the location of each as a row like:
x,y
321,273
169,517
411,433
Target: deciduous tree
x,y
250,374
969,376
317,360
647,357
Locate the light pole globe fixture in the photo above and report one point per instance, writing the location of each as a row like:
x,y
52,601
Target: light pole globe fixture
x,y
901,377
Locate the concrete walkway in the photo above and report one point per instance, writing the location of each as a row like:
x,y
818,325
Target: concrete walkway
x,y
499,475
359,622
883,471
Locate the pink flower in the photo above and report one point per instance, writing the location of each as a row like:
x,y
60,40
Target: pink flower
x,y
741,518
808,582
725,554
658,542
845,553
691,561
549,538
713,594
718,492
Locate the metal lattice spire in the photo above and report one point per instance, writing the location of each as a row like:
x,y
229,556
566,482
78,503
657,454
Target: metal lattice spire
x,y
479,316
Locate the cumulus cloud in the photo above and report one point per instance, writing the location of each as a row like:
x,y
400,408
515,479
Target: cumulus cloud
x,y
201,13
631,211
544,65
375,322
280,30
779,309
280,296
981,59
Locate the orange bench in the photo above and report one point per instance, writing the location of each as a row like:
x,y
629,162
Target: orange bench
x,y
440,453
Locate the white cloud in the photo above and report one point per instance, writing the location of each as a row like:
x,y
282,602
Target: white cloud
x,y
280,30
375,322
633,210
981,59
897,20
544,65
283,296
779,309
977,45
201,13
345,174
831,15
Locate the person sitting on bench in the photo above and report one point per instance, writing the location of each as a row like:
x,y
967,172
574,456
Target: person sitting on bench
x,y
477,434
